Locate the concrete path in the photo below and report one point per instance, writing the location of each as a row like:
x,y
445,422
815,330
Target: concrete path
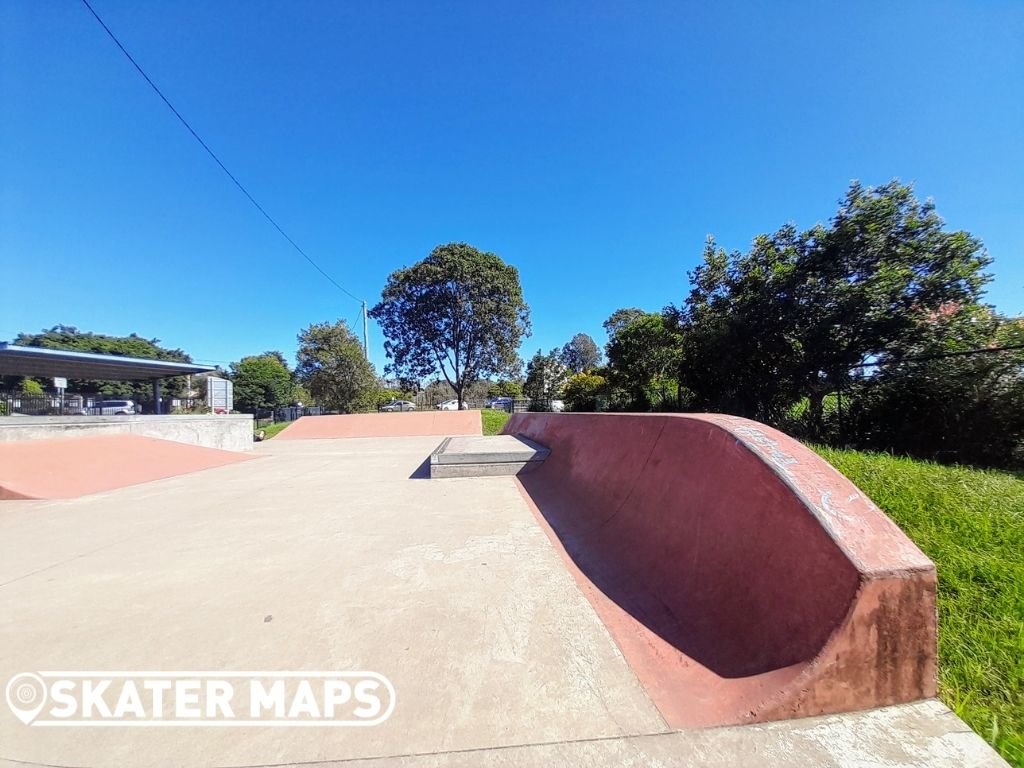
x,y
335,555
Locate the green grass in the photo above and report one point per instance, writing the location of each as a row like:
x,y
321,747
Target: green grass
x,y
971,523
493,421
272,429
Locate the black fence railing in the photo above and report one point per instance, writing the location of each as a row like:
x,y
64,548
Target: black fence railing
x,y
268,416
68,404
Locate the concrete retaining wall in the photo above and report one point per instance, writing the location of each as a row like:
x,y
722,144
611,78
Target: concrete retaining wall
x,y
228,432
743,577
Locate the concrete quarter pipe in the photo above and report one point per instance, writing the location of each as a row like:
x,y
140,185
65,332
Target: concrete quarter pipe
x,y
742,576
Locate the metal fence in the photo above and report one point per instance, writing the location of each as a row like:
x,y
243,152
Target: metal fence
x,y
267,416
68,404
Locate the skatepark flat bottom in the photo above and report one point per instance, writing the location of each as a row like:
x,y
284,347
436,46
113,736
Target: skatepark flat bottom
x,y
336,555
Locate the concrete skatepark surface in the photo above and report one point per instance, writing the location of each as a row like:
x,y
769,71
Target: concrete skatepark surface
x,y
66,468
335,554
402,424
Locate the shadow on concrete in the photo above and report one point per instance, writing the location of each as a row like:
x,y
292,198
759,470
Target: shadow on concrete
x,y
683,595
422,472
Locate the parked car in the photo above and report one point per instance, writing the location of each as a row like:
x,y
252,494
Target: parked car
x,y
500,403
113,408
451,405
557,406
398,405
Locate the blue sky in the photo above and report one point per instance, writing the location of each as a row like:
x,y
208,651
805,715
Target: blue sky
x,y
593,145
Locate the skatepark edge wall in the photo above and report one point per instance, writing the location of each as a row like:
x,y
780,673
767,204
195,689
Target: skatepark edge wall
x,y
226,432
744,578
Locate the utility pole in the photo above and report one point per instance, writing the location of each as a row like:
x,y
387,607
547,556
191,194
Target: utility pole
x,y
366,333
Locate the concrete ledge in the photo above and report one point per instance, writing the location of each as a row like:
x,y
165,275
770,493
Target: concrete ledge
x,y
227,433
486,456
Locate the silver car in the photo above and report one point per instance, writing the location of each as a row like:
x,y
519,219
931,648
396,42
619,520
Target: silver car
x,y
398,405
114,408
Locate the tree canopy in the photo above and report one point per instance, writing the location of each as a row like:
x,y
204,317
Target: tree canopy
x,y
644,355
333,367
546,376
261,381
791,316
619,319
581,354
459,313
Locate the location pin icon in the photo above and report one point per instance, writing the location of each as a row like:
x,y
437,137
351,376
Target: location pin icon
x,y
26,695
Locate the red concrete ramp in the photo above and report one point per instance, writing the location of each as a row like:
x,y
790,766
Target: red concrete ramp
x,y
65,469
742,576
408,424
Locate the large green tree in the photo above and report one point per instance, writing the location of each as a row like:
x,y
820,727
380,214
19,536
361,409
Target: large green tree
x,y
790,317
261,381
70,338
643,358
459,314
619,319
333,367
581,354
546,376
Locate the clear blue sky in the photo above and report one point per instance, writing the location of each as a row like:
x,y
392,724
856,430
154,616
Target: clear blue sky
x,y
593,145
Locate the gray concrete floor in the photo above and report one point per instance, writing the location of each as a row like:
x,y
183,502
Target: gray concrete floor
x,y
449,588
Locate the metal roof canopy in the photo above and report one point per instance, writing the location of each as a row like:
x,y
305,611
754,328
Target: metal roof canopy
x,y
39,361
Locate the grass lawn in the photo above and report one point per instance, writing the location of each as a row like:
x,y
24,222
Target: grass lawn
x,y
971,523
272,429
493,421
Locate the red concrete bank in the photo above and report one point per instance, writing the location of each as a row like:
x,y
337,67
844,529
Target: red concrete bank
x,y
742,576
409,424
68,468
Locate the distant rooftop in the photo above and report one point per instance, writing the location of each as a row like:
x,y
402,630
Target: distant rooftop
x,y
38,361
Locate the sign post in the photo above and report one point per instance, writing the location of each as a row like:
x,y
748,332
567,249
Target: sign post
x,y
61,384
219,395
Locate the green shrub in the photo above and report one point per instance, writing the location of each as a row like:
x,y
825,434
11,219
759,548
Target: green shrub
x,y
583,390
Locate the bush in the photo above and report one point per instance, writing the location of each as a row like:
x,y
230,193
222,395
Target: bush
x,y
965,410
583,390
506,388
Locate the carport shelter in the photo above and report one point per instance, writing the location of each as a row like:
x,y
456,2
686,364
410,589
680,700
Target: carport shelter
x,y
39,361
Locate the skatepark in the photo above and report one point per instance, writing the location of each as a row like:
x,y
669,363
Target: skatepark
x,y
656,589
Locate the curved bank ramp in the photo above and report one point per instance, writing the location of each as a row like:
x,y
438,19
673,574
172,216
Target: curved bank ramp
x,y
742,576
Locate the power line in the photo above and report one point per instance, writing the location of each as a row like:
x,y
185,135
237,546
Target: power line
x,y
216,159
941,356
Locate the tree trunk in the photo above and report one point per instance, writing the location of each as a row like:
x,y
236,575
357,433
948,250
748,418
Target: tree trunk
x,y
816,409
